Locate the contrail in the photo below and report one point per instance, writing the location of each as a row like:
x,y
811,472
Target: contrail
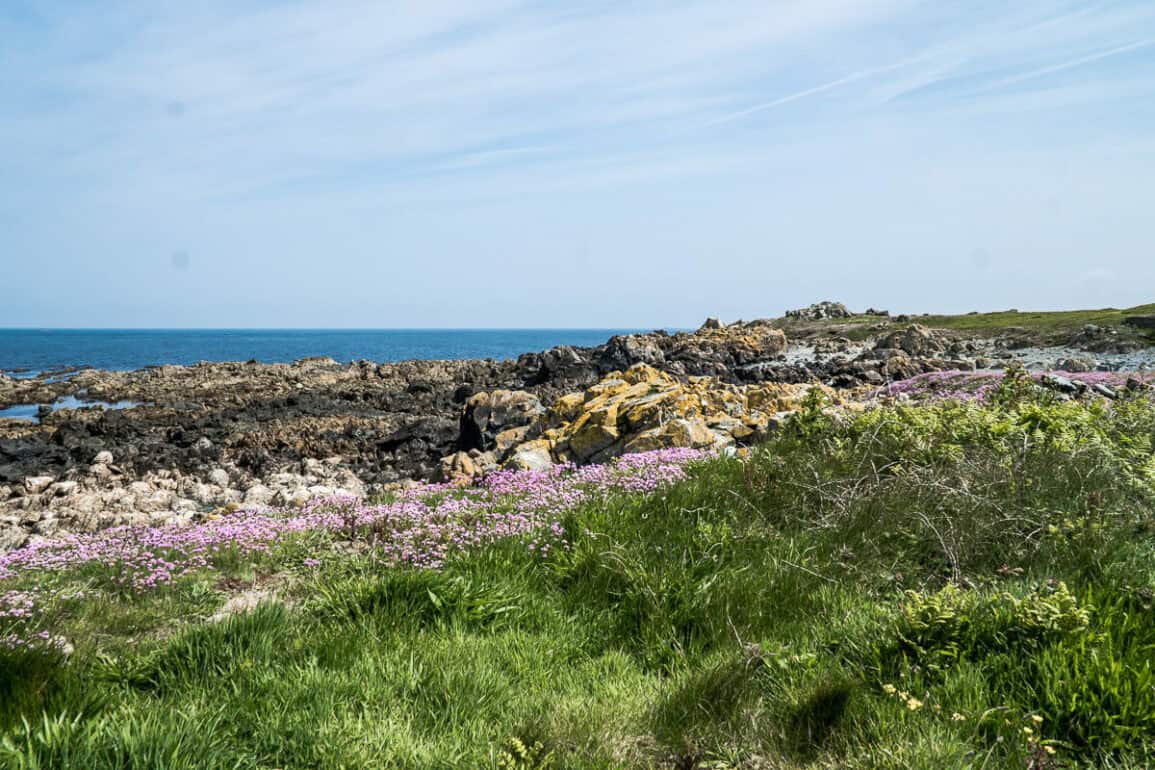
x,y
811,91
1070,64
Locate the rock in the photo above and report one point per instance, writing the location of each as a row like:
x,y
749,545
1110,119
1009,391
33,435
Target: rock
x,y
219,476
1104,390
819,311
531,456
34,485
643,408
1062,384
140,489
594,431
63,488
181,505
711,323
1075,365
486,415
12,536
458,467
505,441
914,340
258,494
103,457
242,603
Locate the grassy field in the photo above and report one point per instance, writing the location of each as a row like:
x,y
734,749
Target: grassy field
x,y
1043,322
947,585
1051,327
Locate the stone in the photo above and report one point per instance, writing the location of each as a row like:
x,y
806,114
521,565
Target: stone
x,y
505,441
100,471
819,311
914,340
219,476
34,485
1061,384
258,494
63,488
1075,364
458,467
531,456
12,536
643,408
103,457
487,414
712,323
1104,390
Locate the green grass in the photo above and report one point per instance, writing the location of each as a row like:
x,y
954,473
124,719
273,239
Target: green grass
x,y
904,588
1051,327
1043,322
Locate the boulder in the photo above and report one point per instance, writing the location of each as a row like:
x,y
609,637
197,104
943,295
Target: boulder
x,y
914,340
531,456
487,415
458,467
622,352
819,311
258,494
34,485
642,409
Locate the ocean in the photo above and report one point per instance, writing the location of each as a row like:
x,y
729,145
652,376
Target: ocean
x,y
24,352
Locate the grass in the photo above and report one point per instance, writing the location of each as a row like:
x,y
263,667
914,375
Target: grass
x,y
947,585
1044,322
1051,327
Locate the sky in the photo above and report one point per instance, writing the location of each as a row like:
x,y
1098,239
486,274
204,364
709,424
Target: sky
x,y
569,163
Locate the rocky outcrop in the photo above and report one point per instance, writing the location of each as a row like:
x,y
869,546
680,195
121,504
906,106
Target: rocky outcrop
x,y
497,419
914,340
642,408
819,311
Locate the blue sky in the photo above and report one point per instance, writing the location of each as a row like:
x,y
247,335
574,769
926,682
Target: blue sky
x,y
544,164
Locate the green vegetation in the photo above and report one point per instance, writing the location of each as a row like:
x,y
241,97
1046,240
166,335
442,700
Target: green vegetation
x,y
1049,327
1065,321
948,585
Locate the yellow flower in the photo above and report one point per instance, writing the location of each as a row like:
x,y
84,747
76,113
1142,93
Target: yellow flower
x,y
1036,719
889,689
957,717
914,704
1028,731
1049,749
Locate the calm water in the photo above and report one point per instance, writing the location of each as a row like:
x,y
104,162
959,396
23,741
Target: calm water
x,y
51,349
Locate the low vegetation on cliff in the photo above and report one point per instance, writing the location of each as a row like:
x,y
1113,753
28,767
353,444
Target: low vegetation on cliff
x,y
952,583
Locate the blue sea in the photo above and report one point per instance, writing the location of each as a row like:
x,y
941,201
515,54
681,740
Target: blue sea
x,y
24,352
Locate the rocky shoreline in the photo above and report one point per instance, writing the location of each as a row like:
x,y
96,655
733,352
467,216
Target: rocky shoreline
x,y
217,435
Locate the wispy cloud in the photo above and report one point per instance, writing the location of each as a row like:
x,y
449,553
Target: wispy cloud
x,y
816,90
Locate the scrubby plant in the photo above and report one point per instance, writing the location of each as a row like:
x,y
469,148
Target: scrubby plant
x,y
957,583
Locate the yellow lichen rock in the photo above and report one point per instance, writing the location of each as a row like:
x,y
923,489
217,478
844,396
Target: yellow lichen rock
x,y
643,408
